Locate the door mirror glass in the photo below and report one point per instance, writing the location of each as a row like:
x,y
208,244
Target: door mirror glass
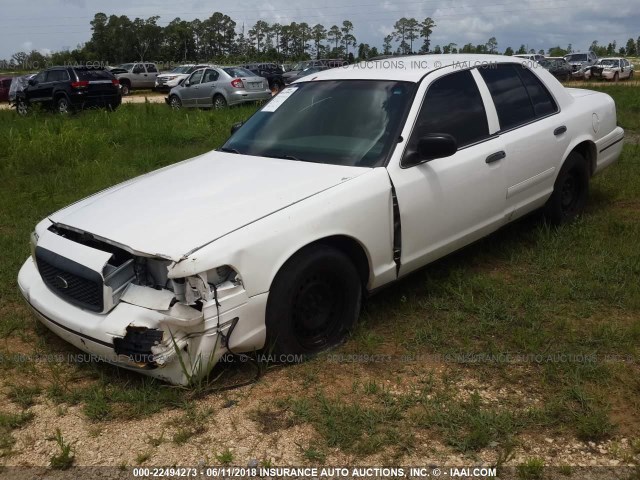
x,y
32,81
430,147
235,127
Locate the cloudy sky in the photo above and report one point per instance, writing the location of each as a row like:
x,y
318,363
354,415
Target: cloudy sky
x,y
540,24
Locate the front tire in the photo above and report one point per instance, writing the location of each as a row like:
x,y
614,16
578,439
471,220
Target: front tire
x,y
174,102
125,89
22,108
314,302
570,191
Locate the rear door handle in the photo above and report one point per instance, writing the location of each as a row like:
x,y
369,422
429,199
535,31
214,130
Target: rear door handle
x,y
560,130
494,157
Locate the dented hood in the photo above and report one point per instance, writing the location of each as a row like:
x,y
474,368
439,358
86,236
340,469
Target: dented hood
x,y
175,210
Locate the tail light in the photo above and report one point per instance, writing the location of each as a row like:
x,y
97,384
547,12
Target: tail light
x,y
115,82
237,83
83,84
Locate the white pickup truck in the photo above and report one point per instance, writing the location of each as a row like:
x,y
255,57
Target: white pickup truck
x,y
138,75
344,182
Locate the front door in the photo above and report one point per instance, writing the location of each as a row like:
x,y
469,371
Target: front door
x,y
191,92
449,202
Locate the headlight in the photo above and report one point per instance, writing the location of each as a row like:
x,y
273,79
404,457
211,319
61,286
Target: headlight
x,y
33,242
204,286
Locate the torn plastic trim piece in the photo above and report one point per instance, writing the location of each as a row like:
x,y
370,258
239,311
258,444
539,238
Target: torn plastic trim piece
x,y
137,343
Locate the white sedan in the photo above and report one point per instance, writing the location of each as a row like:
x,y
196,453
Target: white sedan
x,y
344,182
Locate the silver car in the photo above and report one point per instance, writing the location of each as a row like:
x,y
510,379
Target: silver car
x,y
218,87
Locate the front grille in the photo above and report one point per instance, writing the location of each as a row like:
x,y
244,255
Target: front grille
x,y
71,281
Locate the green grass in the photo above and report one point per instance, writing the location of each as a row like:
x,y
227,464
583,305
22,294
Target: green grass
x,y
63,460
563,301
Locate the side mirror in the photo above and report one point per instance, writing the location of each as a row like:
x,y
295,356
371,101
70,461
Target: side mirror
x,y
235,127
186,83
32,82
430,147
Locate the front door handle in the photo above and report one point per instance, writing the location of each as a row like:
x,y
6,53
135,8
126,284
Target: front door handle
x,y
494,157
560,130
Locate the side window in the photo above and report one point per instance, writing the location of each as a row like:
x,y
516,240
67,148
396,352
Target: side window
x,y
139,68
543,102
210,76
53,76
41,77
151,68
195,77
453,105
509,95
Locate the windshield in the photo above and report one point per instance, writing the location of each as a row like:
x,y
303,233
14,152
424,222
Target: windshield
x,y
608,62
237,72
339,122
126,66
183,69
579,57
300,66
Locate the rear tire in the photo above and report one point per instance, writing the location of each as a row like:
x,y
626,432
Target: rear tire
x,y
277,86
63,107
219,102
314,302
570,191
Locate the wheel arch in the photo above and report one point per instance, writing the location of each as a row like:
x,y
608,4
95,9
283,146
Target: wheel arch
x,y
351,247
587,148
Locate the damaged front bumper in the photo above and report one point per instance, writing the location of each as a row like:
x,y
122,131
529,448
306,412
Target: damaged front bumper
x,y
176,344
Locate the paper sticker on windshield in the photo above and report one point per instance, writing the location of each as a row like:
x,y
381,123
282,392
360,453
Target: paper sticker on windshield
x,y
279,99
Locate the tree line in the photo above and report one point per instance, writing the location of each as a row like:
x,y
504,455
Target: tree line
x,y
219,39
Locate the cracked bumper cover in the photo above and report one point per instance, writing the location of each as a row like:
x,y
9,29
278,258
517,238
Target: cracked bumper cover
x,y
144,339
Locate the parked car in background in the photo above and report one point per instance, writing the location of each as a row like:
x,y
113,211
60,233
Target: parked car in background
x,y
65,89
324,63
5,85
218,87
135,76
304,73
533,57
272,72
18,84
613,69
338,186
166,81
558,67
581,64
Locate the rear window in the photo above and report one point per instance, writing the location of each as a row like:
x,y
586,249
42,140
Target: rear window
x,y
237,72
88,75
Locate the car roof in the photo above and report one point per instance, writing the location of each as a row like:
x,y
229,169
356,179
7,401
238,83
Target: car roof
x,y
409,68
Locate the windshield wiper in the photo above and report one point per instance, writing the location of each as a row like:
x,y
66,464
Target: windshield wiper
x,y
228,150
287,157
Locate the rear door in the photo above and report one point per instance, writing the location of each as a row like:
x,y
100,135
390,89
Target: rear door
x,y
534,132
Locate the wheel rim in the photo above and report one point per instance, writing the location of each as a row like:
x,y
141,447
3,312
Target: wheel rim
x,y
317,308
219,102
125,90
276,88
175,102
570,192
22,108
63,106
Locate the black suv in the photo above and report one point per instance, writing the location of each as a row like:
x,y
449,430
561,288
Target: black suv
x,y
64,89
272,72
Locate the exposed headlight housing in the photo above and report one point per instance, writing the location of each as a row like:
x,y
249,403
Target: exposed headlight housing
x,y
203,287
